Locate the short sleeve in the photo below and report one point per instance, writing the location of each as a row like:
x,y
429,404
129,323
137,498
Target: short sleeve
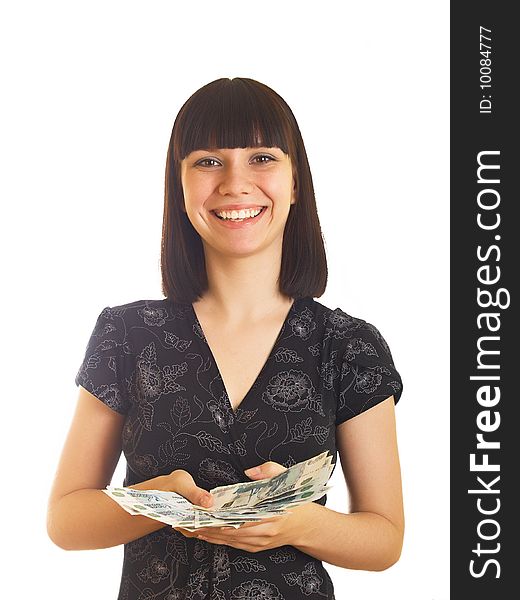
x,y
367,373
104,366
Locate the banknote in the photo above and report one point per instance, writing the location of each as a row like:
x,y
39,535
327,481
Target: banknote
x,y
235,504
252,492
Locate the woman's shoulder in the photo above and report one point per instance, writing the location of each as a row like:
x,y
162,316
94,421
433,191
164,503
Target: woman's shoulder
x,y
147,307
338,323
146,312
341,327
135,305
365,366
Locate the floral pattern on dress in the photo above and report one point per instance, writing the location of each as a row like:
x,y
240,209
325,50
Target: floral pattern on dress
x,y
150,361
289,391
307,580
155,570
257,589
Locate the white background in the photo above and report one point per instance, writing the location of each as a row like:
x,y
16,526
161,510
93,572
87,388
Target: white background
x,y
90,93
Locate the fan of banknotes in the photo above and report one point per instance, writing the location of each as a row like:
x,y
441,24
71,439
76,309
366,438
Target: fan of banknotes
x,y
236,504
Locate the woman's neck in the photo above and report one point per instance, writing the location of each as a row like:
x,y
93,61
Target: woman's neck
x,y
243,288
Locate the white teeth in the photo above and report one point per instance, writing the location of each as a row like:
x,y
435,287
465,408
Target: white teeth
x,y
239,214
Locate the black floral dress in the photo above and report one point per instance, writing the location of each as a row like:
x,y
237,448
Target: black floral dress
x,y
149,360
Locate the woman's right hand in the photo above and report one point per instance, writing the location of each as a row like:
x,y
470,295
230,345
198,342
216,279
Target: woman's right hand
x,y
181,482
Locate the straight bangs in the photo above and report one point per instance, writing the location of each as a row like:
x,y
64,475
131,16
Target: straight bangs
x,y
238,113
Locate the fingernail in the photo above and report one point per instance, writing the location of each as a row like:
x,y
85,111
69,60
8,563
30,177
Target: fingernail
x,y
253,471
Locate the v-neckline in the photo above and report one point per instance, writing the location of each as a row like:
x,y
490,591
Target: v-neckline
x,y
264,366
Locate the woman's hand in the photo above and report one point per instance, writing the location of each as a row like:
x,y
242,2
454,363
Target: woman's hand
x,y
181,482
266,534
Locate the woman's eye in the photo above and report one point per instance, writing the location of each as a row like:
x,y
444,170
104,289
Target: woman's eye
x,y
204,162
270,158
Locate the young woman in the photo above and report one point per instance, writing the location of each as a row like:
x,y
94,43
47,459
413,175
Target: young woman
x,y
237,367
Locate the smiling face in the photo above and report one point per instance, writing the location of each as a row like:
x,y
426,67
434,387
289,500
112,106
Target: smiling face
x,y
229,179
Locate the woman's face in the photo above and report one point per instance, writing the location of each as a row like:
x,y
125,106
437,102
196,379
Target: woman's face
x,y
233,179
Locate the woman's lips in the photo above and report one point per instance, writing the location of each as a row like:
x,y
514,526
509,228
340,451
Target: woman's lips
x,y
240,224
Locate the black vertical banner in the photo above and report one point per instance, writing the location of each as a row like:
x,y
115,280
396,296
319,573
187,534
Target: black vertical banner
x,y
485,331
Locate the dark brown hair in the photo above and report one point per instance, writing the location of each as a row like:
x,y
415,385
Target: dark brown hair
x,y
239,113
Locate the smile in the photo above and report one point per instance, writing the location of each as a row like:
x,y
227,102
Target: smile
x,y
230,222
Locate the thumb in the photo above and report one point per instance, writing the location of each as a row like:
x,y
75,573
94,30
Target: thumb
x,y
265,470
184,484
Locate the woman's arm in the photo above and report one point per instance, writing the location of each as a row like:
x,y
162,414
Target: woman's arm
x,y
80,516
370,537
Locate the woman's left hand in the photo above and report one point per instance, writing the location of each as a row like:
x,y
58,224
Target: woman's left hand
x,y
261,535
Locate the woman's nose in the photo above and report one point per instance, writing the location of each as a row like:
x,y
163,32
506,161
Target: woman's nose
x,y
235,180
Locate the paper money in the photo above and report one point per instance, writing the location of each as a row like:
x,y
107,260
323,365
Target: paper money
x,y
236,504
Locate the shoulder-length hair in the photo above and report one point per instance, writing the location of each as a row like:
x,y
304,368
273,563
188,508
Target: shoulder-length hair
x,y
239,113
